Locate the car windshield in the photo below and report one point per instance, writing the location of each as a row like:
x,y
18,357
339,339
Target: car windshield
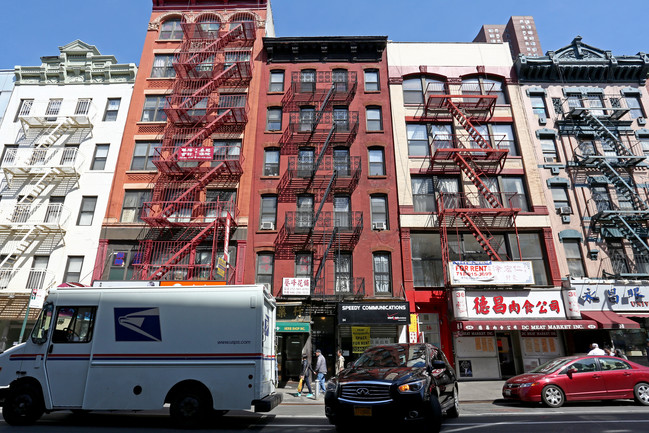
x,y
392,356
551,366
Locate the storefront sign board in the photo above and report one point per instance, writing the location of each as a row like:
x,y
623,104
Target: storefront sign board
x,y
470,273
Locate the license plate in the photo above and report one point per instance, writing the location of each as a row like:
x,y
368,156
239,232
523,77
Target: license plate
x,y
362,411
508,392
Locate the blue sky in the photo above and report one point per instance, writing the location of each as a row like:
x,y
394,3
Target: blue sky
x,y
118,27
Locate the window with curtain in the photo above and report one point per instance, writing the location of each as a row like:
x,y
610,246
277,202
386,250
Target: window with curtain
x,y
382,280
163,66
271,162
379,209
269,209
265,265
274,119
171,29
423,194
572,248
133,204
343,273
376,158
427,270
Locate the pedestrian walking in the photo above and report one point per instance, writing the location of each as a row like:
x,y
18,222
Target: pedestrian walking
x,y
619,354
305,377
595,350
321,370
340,362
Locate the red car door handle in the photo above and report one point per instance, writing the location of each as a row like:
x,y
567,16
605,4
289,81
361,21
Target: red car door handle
x,y
627,374
596,376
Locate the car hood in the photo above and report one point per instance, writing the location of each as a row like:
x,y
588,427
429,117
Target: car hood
x,y
391,375
526,378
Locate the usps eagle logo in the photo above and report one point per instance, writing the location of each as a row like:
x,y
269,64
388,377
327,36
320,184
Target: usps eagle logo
x,y
137,324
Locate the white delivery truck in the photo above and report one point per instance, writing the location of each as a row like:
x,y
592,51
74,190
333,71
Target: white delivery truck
x,y
138,345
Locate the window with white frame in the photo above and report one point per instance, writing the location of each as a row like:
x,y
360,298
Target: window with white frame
x,y
376,158
268,217
265,265
538,105
163,66
423,194
484,86
560,196
171,29
112,107
634,105
133,204
153,110
100,157
549,149
87,211
379,210
374,118
143,155
83,107
24,109
271,162
382,274
274,119
73,269
276,81
371,77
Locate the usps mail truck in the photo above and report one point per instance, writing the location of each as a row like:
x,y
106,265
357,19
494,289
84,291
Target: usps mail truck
x,y
202,350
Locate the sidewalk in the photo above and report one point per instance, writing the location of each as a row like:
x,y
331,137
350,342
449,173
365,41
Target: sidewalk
x,y
484,391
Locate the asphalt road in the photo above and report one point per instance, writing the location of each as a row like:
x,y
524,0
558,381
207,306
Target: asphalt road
x,y
609,417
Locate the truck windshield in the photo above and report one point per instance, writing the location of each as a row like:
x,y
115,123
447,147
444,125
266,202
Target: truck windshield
x,y
43,324
393,356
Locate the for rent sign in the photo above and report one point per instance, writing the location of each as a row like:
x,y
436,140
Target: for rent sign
x,y
467,273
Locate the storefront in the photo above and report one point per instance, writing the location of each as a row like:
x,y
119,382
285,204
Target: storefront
x,y
363,324
621,310
293,330
500,333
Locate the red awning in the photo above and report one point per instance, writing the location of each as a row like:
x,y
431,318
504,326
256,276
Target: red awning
x,y
610,320
635,314
523,325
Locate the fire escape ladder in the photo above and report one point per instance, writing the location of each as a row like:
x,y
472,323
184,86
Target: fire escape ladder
x,y
622,186
162,270
215,46
480,237
604,133
467,125
475,179
323,107
36,189
630,233
324,196
18,250
324,148
323,261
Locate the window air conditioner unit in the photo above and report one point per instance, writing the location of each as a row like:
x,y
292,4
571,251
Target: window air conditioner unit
x,y
642,121
268,225
379,226
565,210
543,120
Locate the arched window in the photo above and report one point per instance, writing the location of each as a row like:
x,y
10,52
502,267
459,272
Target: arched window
x,y
484,86
170,29
417,88
240,18
209,26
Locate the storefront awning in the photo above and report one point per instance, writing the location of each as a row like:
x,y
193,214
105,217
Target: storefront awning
x,y
644,315
610,320
523,325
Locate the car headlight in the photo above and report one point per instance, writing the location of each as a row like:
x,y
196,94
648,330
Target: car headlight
x,y
331,385
527,385
412,386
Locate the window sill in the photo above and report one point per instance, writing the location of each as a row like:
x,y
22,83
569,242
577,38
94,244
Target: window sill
x,y
160,78
372,91
274,132
154,123
382,176
141,171
380,131
275,177
261,232
275,93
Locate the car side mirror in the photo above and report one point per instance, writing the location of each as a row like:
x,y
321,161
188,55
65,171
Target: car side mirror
x,y
438,365
571,371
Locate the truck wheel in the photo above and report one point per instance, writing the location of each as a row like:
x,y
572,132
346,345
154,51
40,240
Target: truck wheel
x,y
641,393
23,405
190,407
435,418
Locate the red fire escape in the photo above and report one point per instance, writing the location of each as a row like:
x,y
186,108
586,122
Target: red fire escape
x,y
477,158
209,64
319,166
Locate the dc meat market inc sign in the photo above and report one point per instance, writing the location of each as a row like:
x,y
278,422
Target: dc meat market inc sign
x,y
468,273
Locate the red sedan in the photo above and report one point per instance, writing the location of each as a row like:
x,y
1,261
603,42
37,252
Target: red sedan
x,y
574,378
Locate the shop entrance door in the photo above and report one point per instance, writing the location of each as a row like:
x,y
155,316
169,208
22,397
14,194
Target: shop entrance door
x,y
505,355
290,347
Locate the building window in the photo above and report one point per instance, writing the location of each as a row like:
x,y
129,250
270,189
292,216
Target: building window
x,y
423,194
303,265
617,255
87,211
100,157
343,273
271,162
372,83
376,158
83,107
276,81
342,212
163,66
341,118
549,149
415,89
644,142
143,155
379,208
305,162
53,108
227,150
342,162
484,86
513,192
635,106
265,262
426,252
572,249
339,79
374,119
307,118
538,106
304,211
307,81
73,269
274,119
171,29
112,107
560,196
24,109
382,280
268,218
422,136
153,110
133,204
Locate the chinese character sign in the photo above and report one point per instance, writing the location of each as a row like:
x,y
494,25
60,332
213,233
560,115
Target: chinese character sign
x,y
515,305
196,154
296,286
597,296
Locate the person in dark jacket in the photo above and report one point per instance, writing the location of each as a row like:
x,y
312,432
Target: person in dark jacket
x,y
305,375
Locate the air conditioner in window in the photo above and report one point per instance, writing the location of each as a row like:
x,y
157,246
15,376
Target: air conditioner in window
x,y
565,210
268,225
379,226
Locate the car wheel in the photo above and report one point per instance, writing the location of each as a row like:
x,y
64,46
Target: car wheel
x,y
641,393
23,405
435,418
454,411
189,407
552,396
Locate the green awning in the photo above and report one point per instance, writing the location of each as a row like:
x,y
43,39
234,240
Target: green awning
x,y
292,326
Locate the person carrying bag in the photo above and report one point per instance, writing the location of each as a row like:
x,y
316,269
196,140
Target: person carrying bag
x,y
305,377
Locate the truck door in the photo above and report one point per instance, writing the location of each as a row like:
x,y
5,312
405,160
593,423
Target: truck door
x,y
68,356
